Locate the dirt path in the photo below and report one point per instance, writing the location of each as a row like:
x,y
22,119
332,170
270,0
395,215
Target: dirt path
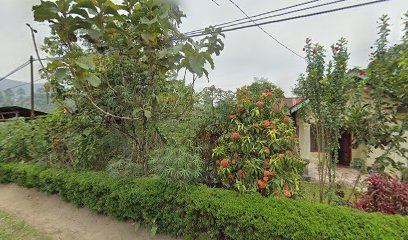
x,y
61,220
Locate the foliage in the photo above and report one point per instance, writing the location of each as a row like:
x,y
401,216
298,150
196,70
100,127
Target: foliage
x,y
381,91
23,140
326,87
177,164
259,151
205,213
389,196
119,61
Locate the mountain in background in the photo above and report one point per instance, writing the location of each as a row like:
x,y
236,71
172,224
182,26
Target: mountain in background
x,y
17,93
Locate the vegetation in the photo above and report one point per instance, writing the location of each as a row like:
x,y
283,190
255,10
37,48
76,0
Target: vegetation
x,y
259,151
204,213
326,89
12,228
384,195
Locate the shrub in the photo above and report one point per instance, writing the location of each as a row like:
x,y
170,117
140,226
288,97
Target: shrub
x,y
205,213
177,164
384,195
259,152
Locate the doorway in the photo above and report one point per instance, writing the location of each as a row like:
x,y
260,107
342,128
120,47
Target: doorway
x,y
345,149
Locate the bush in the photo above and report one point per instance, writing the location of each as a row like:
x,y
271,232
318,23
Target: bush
x,y
384,195
205,213
259,153
177,164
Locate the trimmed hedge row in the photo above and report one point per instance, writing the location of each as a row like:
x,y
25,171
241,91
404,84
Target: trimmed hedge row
x,y
204,213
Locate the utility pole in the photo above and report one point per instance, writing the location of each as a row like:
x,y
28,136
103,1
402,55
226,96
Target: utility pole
x,y
32,87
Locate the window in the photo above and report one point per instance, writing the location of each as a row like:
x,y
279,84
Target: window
x,y
313,139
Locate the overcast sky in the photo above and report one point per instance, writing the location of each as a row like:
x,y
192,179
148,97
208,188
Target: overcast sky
x,y
248,53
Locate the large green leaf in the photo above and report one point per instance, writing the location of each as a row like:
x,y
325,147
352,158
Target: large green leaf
x,y
86,63
45,11
92,79
197,64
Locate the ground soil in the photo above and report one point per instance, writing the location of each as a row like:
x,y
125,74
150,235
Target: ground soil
x,y
61,220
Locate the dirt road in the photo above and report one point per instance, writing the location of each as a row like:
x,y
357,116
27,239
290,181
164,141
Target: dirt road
x,y
61,220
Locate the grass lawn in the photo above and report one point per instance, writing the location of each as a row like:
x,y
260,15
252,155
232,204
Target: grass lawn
x,y
311,192
12,228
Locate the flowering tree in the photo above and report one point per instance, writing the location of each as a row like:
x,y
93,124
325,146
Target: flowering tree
x,y
259,152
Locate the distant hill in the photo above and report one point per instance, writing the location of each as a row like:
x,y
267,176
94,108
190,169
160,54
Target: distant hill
x,y
17,93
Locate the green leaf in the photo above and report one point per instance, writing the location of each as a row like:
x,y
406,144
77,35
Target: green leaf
x,y
92,79
86,63
86,4
147,114
137,7
148,37
45,11
196,64
61,73
146,21
153,230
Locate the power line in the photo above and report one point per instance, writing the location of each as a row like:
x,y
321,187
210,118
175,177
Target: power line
x,y
19,68
285,13
16,70
262,14
291,18
267,33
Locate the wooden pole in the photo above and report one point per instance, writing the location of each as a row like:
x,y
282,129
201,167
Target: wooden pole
x,y
32,87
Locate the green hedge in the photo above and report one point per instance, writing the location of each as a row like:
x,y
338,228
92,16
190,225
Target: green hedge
x,y
204,213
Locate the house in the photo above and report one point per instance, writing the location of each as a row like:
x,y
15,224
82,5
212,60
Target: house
x,y
309,152
16,111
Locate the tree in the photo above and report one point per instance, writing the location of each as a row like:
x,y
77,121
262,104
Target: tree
x,y
259,151
326,87
382,93
120,61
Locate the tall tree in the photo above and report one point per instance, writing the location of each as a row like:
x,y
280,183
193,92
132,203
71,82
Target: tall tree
x,y
120,61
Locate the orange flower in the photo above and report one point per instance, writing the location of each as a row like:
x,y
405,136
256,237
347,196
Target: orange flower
x,y
224,162
234,162
273,127
261,184
269,94
230,179
217,162
235,136
236,155
257,125
267,166
286,119
281,155
289,153
259,104
241,173
262,97
367,90
265,179
287,193
268,160
296,136
267,173
251,99
266,149
233,116
266,123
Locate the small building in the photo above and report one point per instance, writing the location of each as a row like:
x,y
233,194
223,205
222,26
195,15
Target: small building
x,y
347,153
15,112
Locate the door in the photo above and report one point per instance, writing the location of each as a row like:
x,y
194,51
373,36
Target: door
x,y
345,149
